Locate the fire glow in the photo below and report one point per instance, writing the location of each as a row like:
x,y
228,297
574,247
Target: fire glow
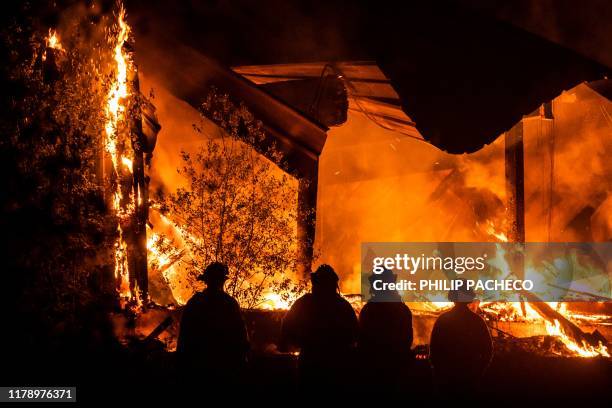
x,y
500,311
123,205
53,40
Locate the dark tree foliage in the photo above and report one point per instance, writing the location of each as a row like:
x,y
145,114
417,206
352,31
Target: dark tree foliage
x,y
56,229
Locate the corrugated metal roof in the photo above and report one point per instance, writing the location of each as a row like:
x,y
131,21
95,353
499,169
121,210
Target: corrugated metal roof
x,y
370,91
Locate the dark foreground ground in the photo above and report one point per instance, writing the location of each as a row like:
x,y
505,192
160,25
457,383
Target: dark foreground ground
x,y
110,373
106,370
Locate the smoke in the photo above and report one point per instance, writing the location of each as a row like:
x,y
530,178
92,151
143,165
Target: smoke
x,y
177,119
375,185
581,185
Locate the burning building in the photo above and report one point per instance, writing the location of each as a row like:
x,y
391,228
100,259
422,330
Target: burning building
x,y
378,179
361,168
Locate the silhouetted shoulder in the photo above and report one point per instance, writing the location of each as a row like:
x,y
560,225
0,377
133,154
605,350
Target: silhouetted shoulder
x,y
230,300
216,296
196,300
455,314
303,301
346,305
197,297
394,307
444,316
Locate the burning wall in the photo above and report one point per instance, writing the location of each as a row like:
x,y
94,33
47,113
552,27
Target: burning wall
x,y
100,37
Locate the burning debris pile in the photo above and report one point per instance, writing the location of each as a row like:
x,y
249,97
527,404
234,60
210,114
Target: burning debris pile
x,y
560,325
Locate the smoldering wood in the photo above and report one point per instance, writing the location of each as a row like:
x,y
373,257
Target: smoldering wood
x,y
150,127
515,182
159,329
307,204
567,326
515,194
137,246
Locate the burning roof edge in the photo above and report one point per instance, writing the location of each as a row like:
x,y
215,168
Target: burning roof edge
x,y
189,76
370,91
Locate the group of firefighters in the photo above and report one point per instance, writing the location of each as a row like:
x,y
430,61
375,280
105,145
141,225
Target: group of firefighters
x,y
333,343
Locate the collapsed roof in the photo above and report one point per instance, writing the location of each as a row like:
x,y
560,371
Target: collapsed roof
x,y
369,91
461,77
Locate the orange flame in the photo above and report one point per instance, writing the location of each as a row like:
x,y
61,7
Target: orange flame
x,y
581,350
53,40
118,90
115,113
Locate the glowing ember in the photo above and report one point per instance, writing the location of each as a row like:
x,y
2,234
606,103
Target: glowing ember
x,y
53,40
491,230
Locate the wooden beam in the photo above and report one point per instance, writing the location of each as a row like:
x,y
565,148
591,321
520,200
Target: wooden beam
x,y
515,183
307,207
137,244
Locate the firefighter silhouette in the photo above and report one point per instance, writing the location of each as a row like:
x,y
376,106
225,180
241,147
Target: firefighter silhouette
x,y
212,341
461,347
385,337
324,327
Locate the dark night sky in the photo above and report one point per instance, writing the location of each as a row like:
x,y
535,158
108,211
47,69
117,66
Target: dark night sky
x,y
240,32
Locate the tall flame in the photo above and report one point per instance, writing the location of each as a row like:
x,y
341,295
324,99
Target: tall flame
x,y
118,90
115,113
499,235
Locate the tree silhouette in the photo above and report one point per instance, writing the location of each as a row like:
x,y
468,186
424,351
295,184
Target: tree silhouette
x,y
237,207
